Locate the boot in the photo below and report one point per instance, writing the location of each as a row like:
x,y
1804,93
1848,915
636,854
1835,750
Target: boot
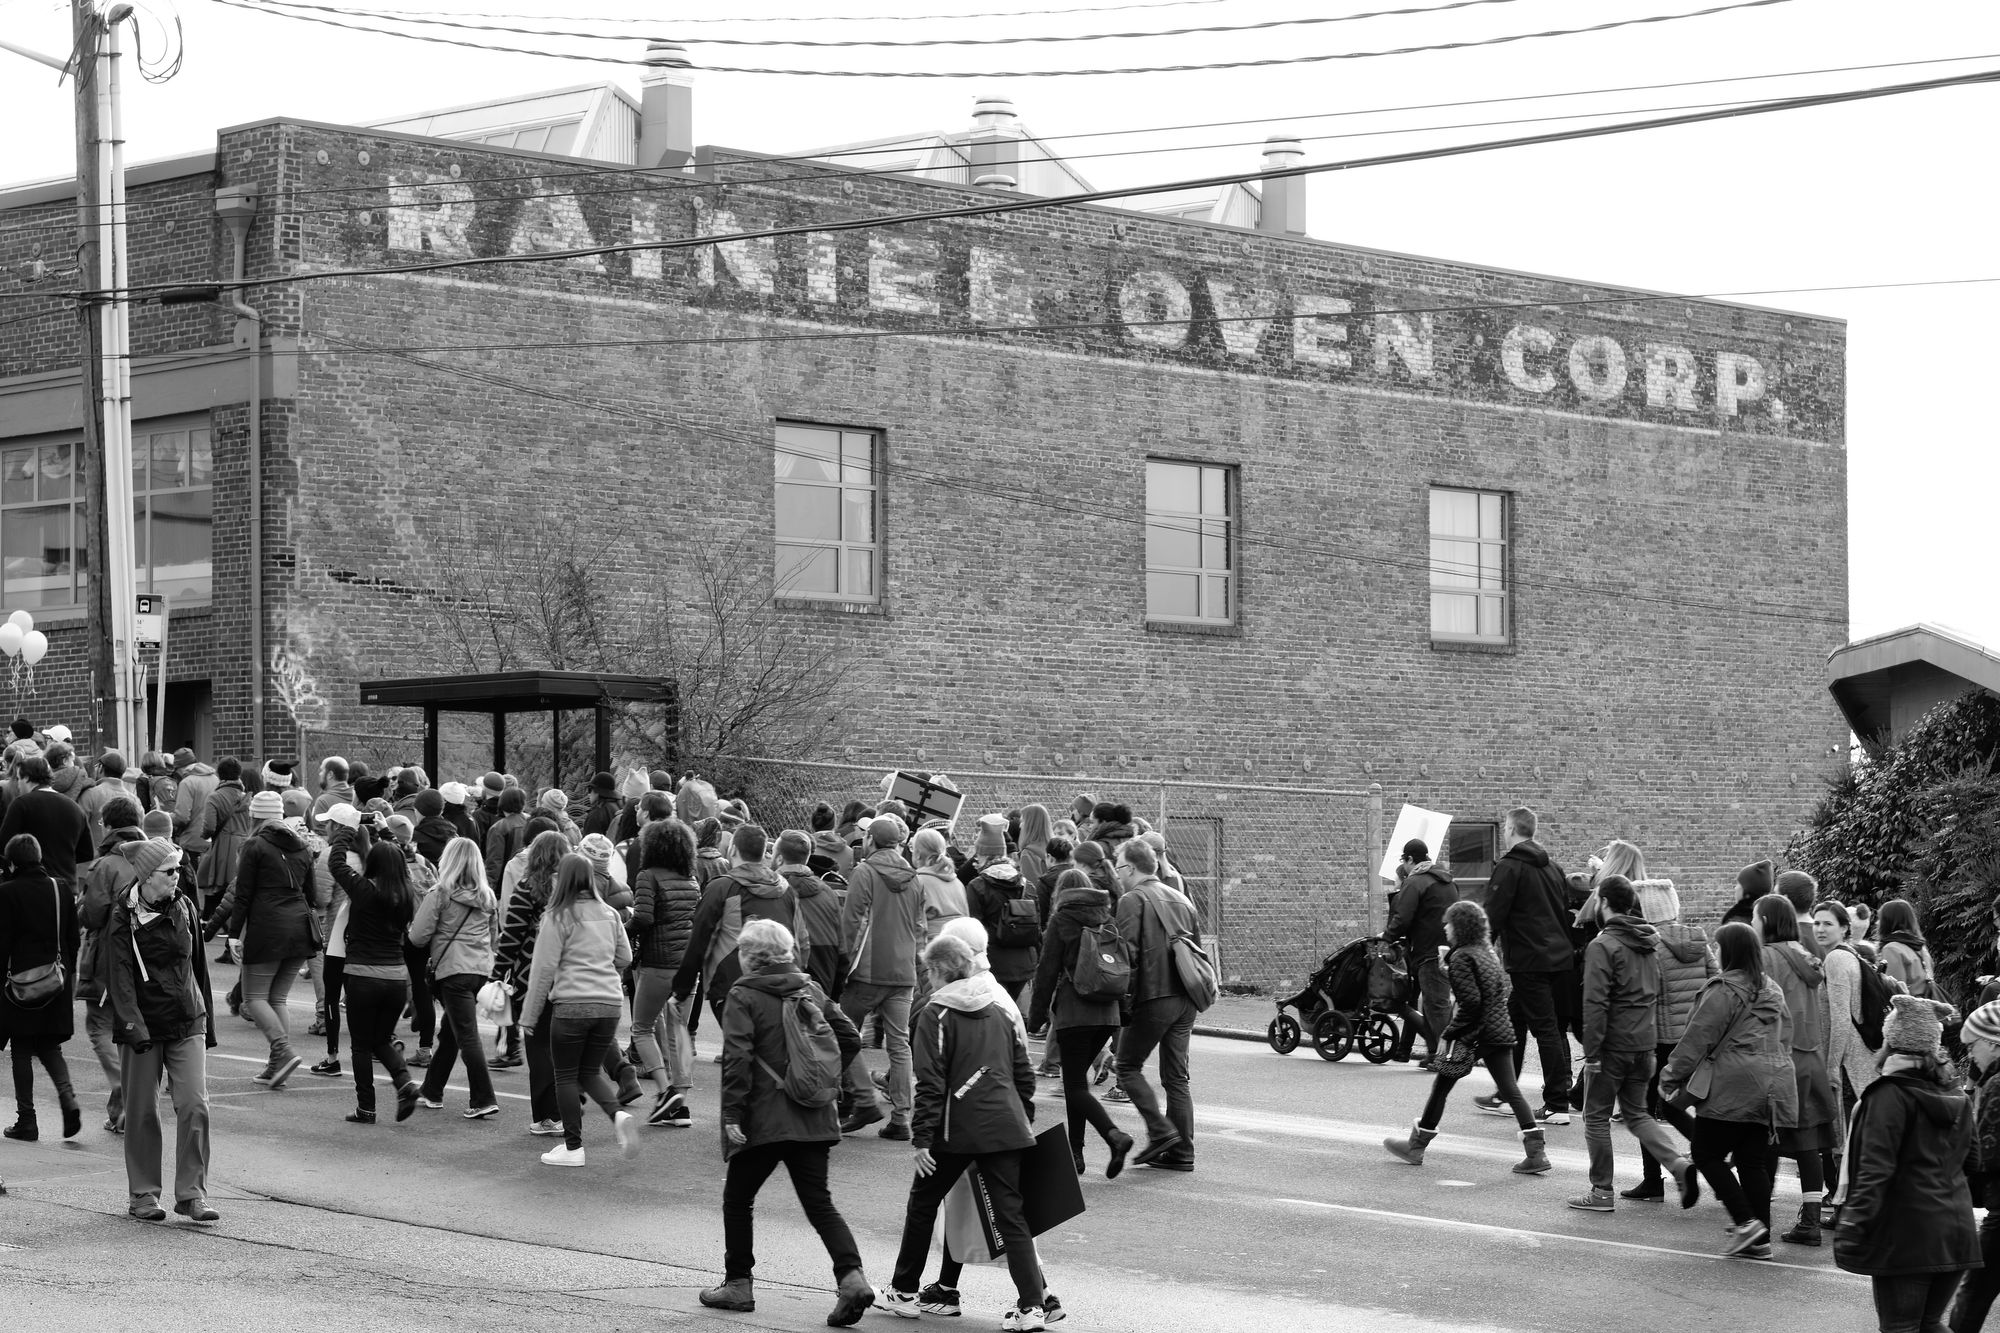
x,y
25,1129
1534,1143
854,1296
735,1294
1806,1230
1411,1149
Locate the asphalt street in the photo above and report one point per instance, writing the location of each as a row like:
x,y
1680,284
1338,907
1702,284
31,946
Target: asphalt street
x,y
1295,1219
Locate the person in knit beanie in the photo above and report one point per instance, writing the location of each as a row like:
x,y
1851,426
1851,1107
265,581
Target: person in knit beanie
x,y
991,842
269,906
1915,1025
1752,882
554,807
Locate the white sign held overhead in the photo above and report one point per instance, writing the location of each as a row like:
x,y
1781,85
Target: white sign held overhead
x,y
1413,821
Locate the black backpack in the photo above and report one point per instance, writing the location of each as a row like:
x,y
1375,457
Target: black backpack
x,y
1874,1001
1020,918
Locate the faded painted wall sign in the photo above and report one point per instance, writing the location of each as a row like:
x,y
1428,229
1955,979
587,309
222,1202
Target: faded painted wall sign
x,y
1187,296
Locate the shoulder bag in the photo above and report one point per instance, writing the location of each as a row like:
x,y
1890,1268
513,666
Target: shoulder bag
x,y
33,987
314,931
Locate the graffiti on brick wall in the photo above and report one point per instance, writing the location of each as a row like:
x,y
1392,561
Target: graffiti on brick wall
x,y
311,650
292,680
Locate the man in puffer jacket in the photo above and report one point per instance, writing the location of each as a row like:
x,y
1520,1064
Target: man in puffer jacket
x,y
818,911
1621,999
751,891
1685,967
881,929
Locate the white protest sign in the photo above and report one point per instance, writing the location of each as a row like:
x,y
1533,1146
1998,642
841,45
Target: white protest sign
x,y
1414,822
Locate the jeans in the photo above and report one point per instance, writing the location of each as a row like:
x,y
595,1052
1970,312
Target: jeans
x,y
185,1065
1165,1023
1534,1009
1499,1062
542,1106
374,1007
1621,1079
1915,1303
458,996
1434,988
423,1017
892,1003
49,1050
1001,1173
1663,1110
1718,1143
97,1026
1079,1047
748,1169
266,987
1975,1297
657,1033
331,973
578,1044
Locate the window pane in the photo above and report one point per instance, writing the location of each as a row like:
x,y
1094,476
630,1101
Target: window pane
x,y
857,458
144,580
1471,849
1214,545
809,511
1454,564
858,516
141,455
169,461
1453,613
562,138
1174,542
17,475
1454,513
183,529
1489,517
1218,598
533,140
808,455
1214,490
860,572
1491,556
1173,486
200,460
1172,595
806,569
37,556
1492,617
54,482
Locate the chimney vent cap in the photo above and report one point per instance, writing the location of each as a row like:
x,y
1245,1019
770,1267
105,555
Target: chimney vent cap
x,y
667,55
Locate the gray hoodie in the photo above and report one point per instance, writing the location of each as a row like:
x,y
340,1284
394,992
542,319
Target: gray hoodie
x,y
882,924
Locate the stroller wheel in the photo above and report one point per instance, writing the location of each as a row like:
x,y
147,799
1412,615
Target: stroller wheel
x,y
1283,1034
1378,1039
1333,1036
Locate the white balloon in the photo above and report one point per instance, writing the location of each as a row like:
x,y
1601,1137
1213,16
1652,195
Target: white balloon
x,y
23,619
34,646
10,639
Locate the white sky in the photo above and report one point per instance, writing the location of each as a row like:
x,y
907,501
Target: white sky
x,y
1894,190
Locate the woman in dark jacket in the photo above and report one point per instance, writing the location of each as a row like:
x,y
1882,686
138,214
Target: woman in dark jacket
x,y
998,882
763,1127
1814,1133
1480,987
664,898
512,959
975,1106
37,927
375,979
1078,1027
1905,1215
273,917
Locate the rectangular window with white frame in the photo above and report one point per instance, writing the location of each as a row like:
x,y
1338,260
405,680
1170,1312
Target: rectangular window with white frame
x,y
1190,542
1469,565
829,513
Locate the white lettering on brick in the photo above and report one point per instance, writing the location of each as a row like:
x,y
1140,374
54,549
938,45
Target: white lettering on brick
x,y
902,276
754,264
554,221
1319,339
431,218
1242,315
1514,349
822,268
999,289
1670,372
1739,379
1411,344
1149,296
1586,356
646,227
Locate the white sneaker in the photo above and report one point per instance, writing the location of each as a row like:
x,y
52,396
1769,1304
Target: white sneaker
x,y
627,1129
1027,1321
563,1156
545,1127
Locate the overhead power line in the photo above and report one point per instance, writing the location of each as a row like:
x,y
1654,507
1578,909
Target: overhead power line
x,y
1034,203
825,18
893,73
666,28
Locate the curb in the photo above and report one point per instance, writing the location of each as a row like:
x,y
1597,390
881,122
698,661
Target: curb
x,y
1233,1034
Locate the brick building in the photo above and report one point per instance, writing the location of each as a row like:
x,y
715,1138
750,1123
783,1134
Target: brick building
x,y
1241,506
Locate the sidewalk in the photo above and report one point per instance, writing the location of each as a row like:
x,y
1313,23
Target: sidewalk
x,y
1241,1017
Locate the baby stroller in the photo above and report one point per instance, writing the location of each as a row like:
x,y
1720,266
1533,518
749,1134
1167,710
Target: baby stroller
x,y
1349,1003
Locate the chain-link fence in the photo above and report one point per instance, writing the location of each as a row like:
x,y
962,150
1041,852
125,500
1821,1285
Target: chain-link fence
x,y
1280,875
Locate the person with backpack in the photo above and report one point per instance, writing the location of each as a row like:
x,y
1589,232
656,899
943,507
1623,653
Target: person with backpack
x,y
1857,999
575,986
784,1045
1151,917
1002,899
104,882
818,909
749,891
1905,955
1527,904
1082,985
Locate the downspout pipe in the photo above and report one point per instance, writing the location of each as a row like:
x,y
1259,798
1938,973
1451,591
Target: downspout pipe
x,y
237,207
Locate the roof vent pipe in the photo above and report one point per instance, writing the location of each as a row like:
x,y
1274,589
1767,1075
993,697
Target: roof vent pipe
x,y
666,108
996,143
1283,212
